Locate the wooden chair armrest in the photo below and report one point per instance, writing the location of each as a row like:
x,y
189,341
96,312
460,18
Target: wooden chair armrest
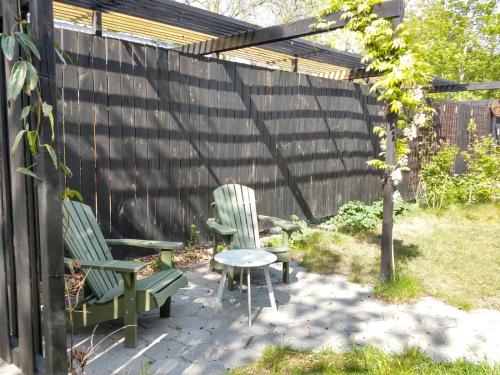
x,y
121,266
159,245
280,223
221,229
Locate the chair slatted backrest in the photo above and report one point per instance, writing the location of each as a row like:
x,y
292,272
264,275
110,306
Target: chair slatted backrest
x,y
236,208
84,240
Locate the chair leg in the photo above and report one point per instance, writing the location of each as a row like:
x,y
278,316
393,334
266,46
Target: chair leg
x,y
286,272
230,278
165,308
130,311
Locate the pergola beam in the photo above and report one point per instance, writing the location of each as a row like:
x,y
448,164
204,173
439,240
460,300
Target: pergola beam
x,y
457,87
292,30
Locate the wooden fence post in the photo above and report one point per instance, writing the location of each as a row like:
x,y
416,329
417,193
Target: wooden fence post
x,y
49,198
25,344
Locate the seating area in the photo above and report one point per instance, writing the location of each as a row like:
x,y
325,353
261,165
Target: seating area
x,y
183,191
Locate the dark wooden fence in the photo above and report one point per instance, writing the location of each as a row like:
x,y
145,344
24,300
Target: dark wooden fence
x,y
31,243
451,125
149,134
454,117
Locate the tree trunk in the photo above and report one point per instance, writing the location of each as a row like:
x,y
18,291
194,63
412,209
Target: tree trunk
x,y
387,256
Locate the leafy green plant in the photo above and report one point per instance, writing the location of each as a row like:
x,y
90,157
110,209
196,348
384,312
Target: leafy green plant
x,y
436,177
483,163
356,216
24,78
155,265
480,184
194,235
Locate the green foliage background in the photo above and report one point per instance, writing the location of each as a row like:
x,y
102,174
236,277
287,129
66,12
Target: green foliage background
x,y
460,39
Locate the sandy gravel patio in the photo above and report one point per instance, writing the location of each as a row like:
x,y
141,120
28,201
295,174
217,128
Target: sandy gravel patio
x,y
314,312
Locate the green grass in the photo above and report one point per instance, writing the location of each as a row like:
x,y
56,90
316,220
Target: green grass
x,y
403,288
452,255
283,360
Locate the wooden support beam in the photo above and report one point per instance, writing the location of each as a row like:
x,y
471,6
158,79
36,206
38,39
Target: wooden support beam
x,y
49,210
292,30
97,22
24,343
457,87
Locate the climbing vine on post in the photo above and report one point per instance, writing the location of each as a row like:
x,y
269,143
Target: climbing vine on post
x,y
401,88
24,79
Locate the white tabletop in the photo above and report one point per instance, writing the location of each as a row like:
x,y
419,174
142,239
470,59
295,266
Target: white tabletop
x,y
245,258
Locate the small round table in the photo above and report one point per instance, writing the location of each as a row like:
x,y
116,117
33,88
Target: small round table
x,y
246,259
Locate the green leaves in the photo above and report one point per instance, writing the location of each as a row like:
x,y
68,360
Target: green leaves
x,y
71,194
31,78
47,112
32,137
8,42
65,169
52,154
25,113
27,43
376,163
16,80
62,54
24,77
18,138
27,172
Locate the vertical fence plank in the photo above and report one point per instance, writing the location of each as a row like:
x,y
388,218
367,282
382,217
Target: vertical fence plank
x,y
71,109
152,121
101,133
139,214
165,135
116,154
206,178
127,51
184,146
192,128
175,212
211,132
5,230
86,104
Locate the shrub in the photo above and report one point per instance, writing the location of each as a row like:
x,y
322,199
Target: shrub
x,y
356,216
436,177
480,184
483,163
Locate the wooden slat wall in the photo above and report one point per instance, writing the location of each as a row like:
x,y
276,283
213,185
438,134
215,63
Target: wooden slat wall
x,y
158,131
451,126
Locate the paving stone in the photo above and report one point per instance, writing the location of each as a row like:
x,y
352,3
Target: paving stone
x,y
314,311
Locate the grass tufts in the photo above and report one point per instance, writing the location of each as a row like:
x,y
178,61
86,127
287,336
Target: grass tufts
x,y
403,288
281,360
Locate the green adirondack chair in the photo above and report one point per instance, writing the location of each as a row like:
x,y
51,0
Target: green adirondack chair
x,y
236,221
113,296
